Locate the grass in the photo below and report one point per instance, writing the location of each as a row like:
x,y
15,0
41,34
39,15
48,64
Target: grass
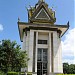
x,y
65,74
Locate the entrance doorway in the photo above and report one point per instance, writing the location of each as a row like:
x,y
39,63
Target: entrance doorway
x,y
42,61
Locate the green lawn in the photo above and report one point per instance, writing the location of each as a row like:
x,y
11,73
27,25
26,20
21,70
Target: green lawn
x,y
65,74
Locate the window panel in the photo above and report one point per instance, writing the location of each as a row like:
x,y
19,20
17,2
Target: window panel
x,y
44,65
44,71
44,58
42,41
45,52
39,57
39,65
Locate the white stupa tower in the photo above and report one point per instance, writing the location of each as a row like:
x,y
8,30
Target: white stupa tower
x,y
41,39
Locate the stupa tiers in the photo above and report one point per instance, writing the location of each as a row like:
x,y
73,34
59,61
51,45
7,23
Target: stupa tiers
x,y
42,40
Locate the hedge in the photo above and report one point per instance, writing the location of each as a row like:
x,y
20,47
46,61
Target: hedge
x,y
29,73
2,73
12,73
65,74
16,73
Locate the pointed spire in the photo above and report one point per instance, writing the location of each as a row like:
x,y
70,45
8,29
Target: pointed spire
x,y
41,0
18,19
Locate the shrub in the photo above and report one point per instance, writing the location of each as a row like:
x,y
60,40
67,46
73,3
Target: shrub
x,y
65,74
2,73
29,73
22,73
12,73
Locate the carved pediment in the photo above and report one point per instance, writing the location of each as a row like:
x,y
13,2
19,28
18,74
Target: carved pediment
x,y
43,14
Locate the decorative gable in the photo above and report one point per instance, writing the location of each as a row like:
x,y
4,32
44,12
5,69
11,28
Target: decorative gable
x,y
42,14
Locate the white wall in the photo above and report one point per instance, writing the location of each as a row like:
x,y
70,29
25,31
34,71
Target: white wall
x,y
30,53
25,45
57,53
24,42
49,53
44,35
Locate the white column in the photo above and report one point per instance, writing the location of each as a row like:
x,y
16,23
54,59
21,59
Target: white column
x,y
49,53
57,53
60,65
27,41
55,48
36,52
30,54
24,42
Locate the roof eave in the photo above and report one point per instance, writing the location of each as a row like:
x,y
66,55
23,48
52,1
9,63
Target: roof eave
x,y
66,29
19,32
34,25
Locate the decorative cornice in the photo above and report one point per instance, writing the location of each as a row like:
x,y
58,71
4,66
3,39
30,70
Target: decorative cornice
x,y
24,27
39,25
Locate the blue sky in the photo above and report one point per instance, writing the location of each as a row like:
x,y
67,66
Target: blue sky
x,y
10,10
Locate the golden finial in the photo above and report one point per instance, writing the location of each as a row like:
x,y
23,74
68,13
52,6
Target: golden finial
x,y
18,19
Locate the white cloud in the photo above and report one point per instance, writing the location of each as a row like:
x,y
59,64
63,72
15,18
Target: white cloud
x,y
68,46
1,27
68,61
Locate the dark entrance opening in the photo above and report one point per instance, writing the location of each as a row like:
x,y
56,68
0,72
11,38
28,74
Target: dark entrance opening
x,y
42,61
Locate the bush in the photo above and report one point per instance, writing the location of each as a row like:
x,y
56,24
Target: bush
x,y
65,74
2,73
29,73
22,73
12,73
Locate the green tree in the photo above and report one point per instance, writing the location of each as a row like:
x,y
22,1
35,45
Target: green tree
x,y
2,73
12,58
71,69
65,68
68,68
